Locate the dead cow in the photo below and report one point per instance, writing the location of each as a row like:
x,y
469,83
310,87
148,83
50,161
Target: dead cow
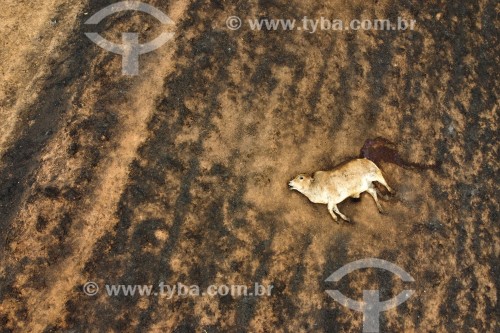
x,y
347,180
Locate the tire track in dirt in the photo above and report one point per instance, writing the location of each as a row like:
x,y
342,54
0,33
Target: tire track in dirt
x,y
173,125
100,215
25,46
38,103
51,185
453,116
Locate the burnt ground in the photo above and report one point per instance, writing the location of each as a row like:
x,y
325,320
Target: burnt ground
x,y
179,174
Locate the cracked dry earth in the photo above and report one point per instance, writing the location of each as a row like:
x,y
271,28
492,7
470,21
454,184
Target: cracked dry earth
x,y
179,174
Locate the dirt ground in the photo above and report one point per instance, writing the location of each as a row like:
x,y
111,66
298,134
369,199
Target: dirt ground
x,y
180,174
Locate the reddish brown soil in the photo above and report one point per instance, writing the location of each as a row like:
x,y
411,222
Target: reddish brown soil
x,y
180,174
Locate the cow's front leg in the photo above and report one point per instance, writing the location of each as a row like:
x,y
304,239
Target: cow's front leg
x,y
336,210
330,210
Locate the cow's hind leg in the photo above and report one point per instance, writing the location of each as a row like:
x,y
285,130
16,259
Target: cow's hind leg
x,y
381,180
381,195
373,193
